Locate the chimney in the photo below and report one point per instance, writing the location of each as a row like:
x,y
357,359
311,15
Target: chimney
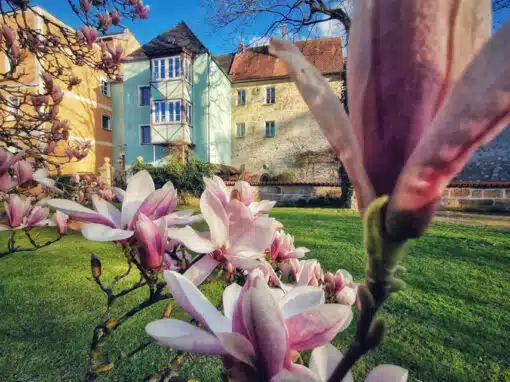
x,y
241,47
284,31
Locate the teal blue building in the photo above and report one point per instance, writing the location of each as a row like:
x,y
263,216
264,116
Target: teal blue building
x,y
174,93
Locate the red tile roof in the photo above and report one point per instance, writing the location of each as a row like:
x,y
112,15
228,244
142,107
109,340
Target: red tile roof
x,y
257,63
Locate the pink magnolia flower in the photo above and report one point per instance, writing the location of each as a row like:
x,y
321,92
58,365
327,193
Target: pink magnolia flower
x,y
240,243
303,272
42,176
17,209
282,247
142,10
152,240
242,192
38,217
23,171
105,21
116,17
85,5
341,286
8,35
323,362
57,94
259,332
107,223
61,220
90,34
424,94
50,147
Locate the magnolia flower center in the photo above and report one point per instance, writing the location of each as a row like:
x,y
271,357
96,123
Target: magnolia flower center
x,y
219,255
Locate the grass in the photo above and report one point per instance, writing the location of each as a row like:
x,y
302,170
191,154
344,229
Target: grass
x,y
450,324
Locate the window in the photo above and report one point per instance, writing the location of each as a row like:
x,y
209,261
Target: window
x,y
144,97
240,130
270,95
189,114
155,70
159,111
270,127
174,108
163,68
187,69
105,88
145,135
177,67
106,122
241,97
171,68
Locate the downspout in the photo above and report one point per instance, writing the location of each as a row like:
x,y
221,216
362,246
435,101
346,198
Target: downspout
x,y
208,108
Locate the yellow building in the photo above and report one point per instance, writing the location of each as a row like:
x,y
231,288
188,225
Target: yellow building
x,y
88,106
272,126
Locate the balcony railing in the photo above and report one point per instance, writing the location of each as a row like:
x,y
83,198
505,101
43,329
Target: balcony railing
x,y
164,133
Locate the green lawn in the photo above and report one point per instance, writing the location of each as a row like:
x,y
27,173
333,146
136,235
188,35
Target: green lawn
x,y
451,323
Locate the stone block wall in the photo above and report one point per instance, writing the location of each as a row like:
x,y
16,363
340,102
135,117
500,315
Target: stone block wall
x,y
477,199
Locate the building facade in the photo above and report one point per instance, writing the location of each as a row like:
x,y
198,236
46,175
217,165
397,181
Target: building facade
x,y
175,96
88,106
273,129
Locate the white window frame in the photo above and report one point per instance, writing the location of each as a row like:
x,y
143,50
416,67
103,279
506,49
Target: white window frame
x,y
153,109
238,125
268,95
103,81
189,113
140,129
172,111
239,91
169,63
266,129
109,122
140,95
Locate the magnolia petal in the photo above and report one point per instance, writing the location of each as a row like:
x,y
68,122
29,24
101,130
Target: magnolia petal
x,y
323,361
230,297
182,336
191,239
265,326
139,187
106,209
195,303
347,296
239,347
241,262
300,298
256,237
4,227
200,270
467,120
317,326
79,212
329,113
215,216
387,373
100,232
119,193
41,176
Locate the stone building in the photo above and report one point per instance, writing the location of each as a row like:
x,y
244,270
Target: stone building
x,y
273,131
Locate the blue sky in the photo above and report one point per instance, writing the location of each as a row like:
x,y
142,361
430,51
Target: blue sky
x,y
166,13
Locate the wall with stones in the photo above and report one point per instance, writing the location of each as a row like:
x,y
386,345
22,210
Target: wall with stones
x,y
476,199
296,132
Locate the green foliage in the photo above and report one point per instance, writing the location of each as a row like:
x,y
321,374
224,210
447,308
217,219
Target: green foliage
x,y
186,177
286,177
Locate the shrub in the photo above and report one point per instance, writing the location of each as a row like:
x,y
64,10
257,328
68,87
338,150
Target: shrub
x,y
286,177
186,177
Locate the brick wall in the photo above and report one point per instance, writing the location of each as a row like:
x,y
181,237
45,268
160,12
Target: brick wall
x,y
476,199
296,132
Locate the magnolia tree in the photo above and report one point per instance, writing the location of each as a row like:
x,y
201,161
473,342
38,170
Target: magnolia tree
x,y
29,114
423,97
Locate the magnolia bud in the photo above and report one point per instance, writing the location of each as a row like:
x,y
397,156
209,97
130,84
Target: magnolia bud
x,y
95,266
168,311
376,332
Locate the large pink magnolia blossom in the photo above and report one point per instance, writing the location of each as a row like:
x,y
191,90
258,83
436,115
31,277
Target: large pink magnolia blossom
x,y
107,223
426,87
242,191
323,361
260,332
22,215
239,238
152,239
282,248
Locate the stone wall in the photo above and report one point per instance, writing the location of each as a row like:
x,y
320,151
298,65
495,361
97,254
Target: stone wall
x,y
295,132
477,199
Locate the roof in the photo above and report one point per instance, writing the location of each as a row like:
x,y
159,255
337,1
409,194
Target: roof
x,y
225,61
175,40
258,63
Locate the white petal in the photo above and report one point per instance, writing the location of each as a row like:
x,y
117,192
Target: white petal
x,y
195,303
119,193
301,298
388,373
191,239
239,347
215,216
99,232
4,227
230,298
347,296
182,336
79,212
139,187
106,209
324,360
200,270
